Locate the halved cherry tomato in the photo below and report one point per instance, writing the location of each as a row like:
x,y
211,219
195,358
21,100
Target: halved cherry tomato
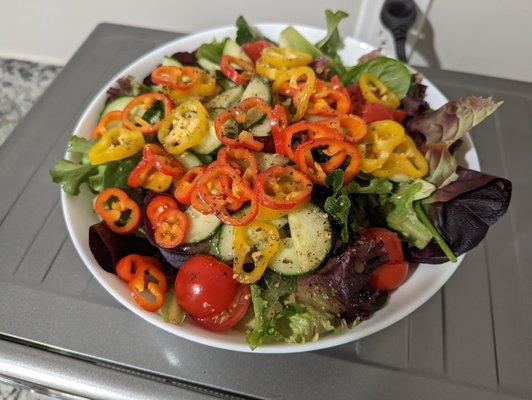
x,y
239,114
128,266
398,115
240,76
254,48
119,212
148,286
132,114
204,286
375,112
187,183
241,159
171,228
158,205
163,161
230,316
305,131
336,150
392,274
282,188
177,78
110,120
279,122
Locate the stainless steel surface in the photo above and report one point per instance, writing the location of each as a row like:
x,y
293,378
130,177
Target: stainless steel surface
x,y
471,340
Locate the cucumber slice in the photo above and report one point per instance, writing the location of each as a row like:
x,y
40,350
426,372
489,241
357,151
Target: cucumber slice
x,y
200,227
267,160
226,249
311,235
225,99
172,62
117,104
188,159
208,66
284,262
209,143
231,48
262,129
257,87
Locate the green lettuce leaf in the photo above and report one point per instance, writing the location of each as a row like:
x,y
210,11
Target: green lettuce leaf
x,y
211,51
392,73
442,164
71,175
371,186
338,208
332,41
170,311
402,218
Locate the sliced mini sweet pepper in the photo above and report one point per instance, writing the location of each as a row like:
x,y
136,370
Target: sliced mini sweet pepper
x,y
297,83
205,87
148,287
302,131
240,76
329,99
176,78
241,159
279,122
187,183
118,211
133,115
376,92
380,141
116,144
112,119
405,159
128,266
184,127
285,58
261,241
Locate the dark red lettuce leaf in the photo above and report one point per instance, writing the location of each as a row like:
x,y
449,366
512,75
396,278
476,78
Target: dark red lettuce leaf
x,y
108,247
321,67
462,212
345,277
126,86
185,57
414,102
177,255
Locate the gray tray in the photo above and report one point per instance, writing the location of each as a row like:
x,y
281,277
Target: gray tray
x,y
60,329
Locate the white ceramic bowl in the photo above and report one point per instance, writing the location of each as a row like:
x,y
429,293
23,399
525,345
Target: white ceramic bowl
x,y
423,283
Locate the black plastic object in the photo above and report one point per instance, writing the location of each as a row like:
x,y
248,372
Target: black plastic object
x,y
399,16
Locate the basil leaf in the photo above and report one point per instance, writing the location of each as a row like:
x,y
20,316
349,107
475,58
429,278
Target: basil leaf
x,y
392,73
244,32
374,186
335,180
338,208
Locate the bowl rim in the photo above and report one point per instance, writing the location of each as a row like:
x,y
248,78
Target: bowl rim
x,y
334,339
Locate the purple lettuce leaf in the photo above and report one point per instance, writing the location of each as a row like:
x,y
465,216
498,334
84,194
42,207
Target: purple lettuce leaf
x,y
126,86
108,247
453,120
185,57
462,212
342,283
321,67
370,56
414,102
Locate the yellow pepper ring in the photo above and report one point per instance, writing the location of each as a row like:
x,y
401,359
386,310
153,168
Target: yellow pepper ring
x,y
283,57
380,141
374,91
261,257
116,144
300,101
406,159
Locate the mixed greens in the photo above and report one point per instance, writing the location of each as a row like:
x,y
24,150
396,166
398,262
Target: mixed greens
x,y
270,188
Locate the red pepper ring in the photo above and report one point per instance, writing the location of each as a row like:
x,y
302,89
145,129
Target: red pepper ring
x,y
222,188
132,116
140,174
239,113
240,78
199,204
241,159
110,120
279,122
187,183
282,188
316,171
157,206
327,101
128,266
119,212
306,130
152,280
163,161
177,78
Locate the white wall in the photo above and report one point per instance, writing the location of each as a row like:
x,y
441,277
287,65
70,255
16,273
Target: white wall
x,y
51,30
491,37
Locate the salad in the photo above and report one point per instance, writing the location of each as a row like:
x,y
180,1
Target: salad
x,y
267,187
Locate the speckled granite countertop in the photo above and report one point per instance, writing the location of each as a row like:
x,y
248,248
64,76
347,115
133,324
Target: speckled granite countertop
x,y
21,83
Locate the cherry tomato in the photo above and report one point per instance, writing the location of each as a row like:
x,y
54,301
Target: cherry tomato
x,y
389,276
392,274
171,228
205,286
375,112
229,317
254,48
390,241
157,205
